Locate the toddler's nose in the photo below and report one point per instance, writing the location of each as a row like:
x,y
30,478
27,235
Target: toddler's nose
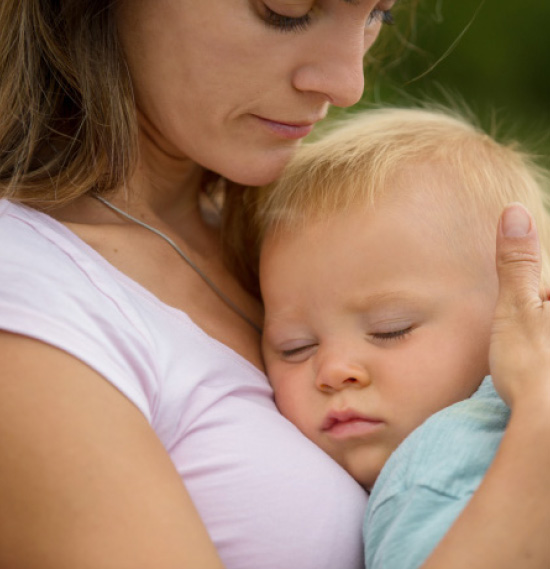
x,y
337,374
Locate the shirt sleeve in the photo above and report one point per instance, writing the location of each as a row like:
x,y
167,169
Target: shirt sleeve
x,y
52,292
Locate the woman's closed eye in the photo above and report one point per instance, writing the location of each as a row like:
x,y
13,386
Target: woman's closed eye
x,y
297,23
286,22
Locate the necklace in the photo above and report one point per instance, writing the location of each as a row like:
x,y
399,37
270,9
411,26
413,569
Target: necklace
x,y
186,258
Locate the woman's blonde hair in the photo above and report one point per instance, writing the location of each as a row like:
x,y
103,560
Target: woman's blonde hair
x,y
357,162
67,116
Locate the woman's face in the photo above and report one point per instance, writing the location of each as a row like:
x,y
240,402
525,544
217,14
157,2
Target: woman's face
x,y
235,84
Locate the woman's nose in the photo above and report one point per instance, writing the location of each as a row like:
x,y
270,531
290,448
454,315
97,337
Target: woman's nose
x,y
335,70
338,373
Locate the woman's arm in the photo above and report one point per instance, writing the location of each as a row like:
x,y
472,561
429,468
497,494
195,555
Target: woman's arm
x,y
84,481
507,522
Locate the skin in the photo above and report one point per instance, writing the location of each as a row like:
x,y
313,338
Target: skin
x,y
108,494
369,313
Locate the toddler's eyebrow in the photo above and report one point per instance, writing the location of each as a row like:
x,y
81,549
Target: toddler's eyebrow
x,y
379,299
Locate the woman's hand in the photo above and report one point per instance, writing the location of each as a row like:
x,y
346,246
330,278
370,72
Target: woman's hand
x,y
506,524
520,342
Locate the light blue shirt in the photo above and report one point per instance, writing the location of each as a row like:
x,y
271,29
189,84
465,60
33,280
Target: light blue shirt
x,y
431,476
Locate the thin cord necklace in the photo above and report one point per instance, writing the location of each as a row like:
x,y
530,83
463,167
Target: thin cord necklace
x,y
185,257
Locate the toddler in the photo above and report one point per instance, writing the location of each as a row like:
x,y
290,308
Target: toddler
x,y
378,277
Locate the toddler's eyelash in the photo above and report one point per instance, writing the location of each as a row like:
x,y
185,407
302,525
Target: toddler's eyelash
x,y
393,335
294,351
286,23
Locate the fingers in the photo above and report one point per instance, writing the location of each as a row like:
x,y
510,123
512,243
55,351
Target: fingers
x,y
518,258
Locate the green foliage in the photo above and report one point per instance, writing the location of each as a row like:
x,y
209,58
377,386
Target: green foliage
x,y
492,55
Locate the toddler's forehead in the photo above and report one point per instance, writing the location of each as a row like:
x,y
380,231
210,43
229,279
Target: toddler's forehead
x,y
441,200
426,196
455,232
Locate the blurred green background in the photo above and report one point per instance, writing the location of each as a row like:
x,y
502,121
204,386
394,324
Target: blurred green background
x,y
492,54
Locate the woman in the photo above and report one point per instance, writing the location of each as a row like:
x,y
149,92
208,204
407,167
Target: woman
x,y
112,112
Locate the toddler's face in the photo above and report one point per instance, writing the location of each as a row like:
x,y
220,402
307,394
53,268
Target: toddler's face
x,y
372,325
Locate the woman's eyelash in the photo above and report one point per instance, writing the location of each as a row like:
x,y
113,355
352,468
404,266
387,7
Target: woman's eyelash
x,y
297,24
393,335
384,16
286,23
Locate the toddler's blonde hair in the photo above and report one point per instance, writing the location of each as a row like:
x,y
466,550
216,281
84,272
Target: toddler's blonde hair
x,y
359,161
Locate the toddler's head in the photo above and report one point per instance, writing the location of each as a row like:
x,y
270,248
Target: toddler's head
x,y
378,276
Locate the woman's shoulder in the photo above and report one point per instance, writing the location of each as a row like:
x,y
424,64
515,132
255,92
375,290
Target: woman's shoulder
x,y
53,290
45,264
21,225
43,251
32,240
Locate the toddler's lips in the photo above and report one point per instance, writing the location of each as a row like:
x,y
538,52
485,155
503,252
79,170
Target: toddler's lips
x,y
349,423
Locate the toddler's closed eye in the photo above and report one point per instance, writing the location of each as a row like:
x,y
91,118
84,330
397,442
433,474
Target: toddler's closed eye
x,y
298,353
394,335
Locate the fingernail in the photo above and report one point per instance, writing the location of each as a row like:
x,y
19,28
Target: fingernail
x,y
516,221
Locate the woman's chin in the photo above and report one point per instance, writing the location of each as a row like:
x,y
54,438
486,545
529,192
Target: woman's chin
x,y
258,171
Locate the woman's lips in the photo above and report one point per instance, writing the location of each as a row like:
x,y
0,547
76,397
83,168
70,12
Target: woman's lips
x,y
349,423
289,131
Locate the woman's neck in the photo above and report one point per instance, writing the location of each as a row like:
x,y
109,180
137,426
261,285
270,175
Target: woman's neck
x,y
163,191
164,186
